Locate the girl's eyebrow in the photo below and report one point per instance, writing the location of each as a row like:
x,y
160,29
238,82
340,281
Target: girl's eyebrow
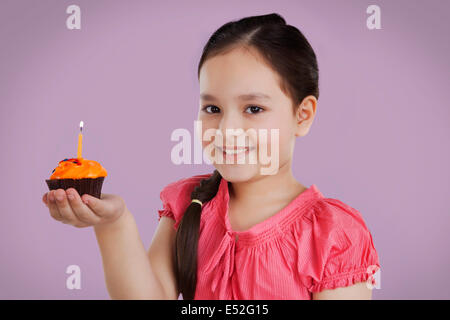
x,y
244,97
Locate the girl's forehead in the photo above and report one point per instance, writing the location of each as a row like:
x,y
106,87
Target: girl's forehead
x,y
236,63
241,71
237,79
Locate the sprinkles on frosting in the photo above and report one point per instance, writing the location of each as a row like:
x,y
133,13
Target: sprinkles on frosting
x,y
73,160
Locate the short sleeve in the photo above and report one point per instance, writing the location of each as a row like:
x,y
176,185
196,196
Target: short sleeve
x,y
176,197
344,250
165,213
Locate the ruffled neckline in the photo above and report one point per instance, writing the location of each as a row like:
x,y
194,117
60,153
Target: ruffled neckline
x,y
273,225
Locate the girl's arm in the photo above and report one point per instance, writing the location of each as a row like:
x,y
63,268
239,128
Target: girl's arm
x,y
131,273
358,291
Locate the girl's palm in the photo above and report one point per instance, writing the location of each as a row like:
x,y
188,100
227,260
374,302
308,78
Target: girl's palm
x,y
68,207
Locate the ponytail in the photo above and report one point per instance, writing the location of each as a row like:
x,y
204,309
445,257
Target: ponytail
x,y
186,241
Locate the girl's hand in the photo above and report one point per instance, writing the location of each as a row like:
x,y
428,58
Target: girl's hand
x,y
68,207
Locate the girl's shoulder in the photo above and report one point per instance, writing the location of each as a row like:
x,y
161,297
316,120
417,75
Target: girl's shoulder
x,y
341,244
176,196
333,214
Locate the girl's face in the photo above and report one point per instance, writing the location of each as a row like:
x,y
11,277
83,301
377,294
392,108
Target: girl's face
x,y
239,91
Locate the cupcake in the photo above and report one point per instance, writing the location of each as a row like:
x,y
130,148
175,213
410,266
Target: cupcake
x,y
86,176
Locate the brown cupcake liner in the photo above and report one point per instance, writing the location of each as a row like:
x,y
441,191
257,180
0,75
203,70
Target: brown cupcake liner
x,y
91,186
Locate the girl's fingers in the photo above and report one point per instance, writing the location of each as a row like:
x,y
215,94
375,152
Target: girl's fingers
x,y
54,211
64,207
81,210
45,199
106,207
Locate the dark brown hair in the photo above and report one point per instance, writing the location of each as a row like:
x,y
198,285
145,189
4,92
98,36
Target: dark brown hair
x,y
290,55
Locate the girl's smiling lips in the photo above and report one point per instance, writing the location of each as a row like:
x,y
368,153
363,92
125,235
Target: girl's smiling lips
x,y
231,154
234,149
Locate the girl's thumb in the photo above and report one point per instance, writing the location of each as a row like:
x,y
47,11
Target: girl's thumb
x,y
90,200
95,204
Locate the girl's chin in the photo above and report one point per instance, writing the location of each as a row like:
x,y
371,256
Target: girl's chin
x,y
237,172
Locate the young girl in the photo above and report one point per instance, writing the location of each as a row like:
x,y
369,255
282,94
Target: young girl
x,y
237,233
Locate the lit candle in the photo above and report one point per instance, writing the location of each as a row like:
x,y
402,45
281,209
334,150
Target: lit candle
x,y
80,140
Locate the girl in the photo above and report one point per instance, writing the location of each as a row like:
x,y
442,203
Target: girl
x,y
237,233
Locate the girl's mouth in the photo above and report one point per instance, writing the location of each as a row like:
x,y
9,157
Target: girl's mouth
x,y
231,154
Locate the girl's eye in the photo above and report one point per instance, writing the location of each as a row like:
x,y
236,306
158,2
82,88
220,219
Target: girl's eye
x,y
213,107
255,108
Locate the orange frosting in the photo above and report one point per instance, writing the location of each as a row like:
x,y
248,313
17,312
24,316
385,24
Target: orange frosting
x,y
78,168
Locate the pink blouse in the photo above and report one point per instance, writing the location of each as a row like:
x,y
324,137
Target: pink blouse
x,y
313,243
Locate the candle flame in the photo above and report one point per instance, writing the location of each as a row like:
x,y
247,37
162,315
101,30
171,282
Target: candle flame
x,y
81,125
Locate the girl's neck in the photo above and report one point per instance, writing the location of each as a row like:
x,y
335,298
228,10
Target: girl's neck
x,y
267,188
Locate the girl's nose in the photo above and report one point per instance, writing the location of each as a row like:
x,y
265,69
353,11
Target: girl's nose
x,y
232,127
231,119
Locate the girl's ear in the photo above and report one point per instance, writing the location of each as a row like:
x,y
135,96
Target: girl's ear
x,y
304,115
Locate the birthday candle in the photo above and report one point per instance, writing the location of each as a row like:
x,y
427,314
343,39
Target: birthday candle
x,y
80,140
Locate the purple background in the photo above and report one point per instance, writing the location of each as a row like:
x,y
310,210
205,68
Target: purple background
x,y
379,141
